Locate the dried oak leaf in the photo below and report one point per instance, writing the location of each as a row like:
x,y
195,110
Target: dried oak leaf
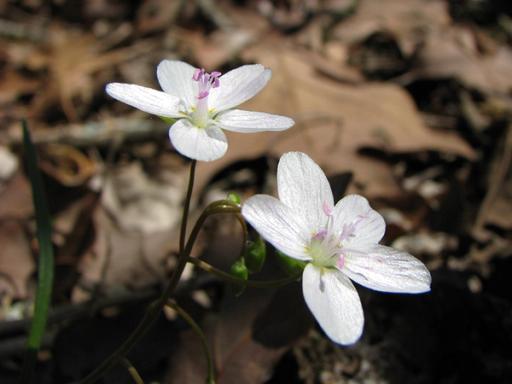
x,y
247,337
73,59
408,21
136,227
334,121
453,52
16,262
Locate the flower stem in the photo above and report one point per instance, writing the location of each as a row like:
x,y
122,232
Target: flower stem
x,y
153,310
184,218
137,379
235,280
199,332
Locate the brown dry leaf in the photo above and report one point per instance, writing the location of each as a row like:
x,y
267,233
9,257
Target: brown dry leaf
x,y
454,52
72,60
408,21
16,198
217,49
214,50
120,258
247,337
136,227
495,214
333,122
16,262
13,85
67,165
155,15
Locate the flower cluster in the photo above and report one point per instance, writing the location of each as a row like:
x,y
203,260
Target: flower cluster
x,y
340,243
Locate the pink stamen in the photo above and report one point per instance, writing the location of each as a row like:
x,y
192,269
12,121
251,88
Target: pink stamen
x,y
320,235
198,74
206,81
203,94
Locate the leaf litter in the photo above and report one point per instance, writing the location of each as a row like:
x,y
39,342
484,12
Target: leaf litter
x,y
408,100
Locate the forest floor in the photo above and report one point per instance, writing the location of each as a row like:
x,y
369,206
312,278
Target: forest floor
x,y
407,102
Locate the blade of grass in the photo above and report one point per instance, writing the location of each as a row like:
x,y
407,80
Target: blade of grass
x,y
45,262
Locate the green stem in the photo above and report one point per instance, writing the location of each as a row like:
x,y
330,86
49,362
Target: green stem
x,y
245,233
154,309
235,280
188,198
199,332
45,261
137,379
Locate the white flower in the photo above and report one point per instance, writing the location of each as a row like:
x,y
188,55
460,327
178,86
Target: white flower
x,y
340,243
203,104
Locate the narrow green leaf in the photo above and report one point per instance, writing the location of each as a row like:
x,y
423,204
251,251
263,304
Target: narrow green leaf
x,y
45,262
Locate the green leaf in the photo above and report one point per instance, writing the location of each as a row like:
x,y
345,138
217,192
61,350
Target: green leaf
x,y
255,255
45,262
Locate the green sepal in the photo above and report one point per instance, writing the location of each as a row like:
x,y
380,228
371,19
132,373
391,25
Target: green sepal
x,y
289,265
255,254
234,197
168,120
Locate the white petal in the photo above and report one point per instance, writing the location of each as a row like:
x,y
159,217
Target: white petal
x,y
278,224
175,78
238,85
238,120
146,99
367,224
302,186
334,302
388,270
204,144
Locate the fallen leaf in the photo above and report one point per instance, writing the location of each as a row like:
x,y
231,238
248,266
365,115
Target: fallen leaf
x,y
247,337
136,226
16,262
334,121
453,53
408,21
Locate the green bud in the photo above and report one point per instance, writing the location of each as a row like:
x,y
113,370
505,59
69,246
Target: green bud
x,y
255,255
291,266
239,269
234,197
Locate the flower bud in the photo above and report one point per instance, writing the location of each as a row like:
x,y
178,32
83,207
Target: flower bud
x,y
255,255
239,269
234,197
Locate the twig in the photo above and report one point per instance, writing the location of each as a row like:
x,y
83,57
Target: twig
x,y
94,133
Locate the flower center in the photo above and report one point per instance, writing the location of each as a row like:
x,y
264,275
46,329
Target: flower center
x,y
205,82
325,248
